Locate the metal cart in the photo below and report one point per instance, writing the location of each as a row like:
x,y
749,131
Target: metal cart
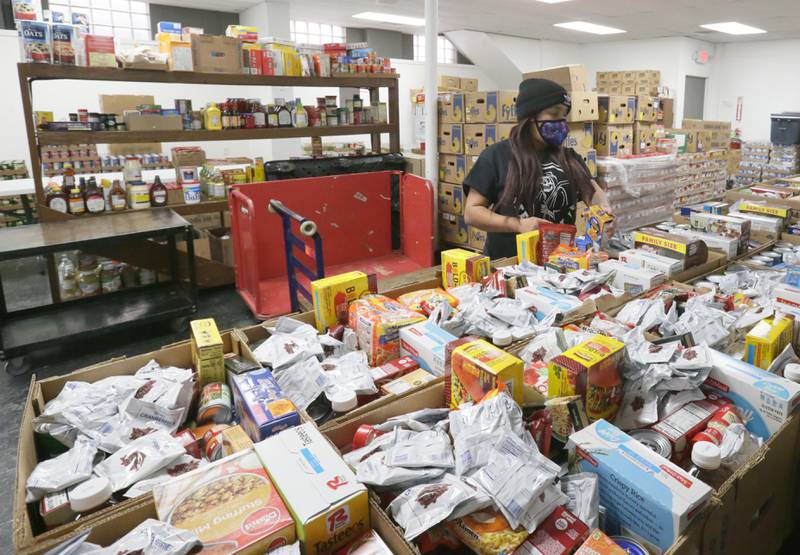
x,y
23,331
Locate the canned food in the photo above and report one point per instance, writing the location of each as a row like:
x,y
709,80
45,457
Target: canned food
x,y
189,442
213,431
215,404
364,435
629,545
653,441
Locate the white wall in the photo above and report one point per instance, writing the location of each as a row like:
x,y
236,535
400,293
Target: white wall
x,y
532,54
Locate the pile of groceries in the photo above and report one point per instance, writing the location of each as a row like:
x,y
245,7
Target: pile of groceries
x,y
495,414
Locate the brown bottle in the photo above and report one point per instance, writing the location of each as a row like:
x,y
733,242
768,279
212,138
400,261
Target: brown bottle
x,y
158,193
95,203
57,199
117,196
77,204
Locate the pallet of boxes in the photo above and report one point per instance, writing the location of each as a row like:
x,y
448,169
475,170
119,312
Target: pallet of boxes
x,y
628,111
469,121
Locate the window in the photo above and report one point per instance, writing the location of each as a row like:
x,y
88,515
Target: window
x,y
446,52
307,32
127,19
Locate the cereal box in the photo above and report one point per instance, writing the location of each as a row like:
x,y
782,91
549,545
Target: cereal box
x,y
261,405
208,357
100,51
460,266
767,340
231,505
478,367
644,494
329,504
599,544
34,41
332,295
596,221
377,320
589,369
528,246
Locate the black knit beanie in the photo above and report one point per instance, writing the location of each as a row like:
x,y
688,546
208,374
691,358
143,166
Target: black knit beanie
x,y
536,95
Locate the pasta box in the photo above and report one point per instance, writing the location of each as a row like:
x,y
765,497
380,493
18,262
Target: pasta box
x,y
330,506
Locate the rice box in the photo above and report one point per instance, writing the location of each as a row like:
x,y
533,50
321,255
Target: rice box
x,y
425,343
767,340
478,367
208,357
330,506
261,405
332,295
377,320
645,495
460,266
231,505
528,246
589,369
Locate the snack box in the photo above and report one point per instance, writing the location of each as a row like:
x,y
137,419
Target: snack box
x,y
407,382
330,506
231,505
761,222
728,245
589,369
392,370
716,207
332,295
377,321
765,209
767,399
208,355
261,405
425,343
652,262
599,544
692,251
528,246
478,367
727,226
544,300
767,340
561,533
460,266
680,426
632,278
644,494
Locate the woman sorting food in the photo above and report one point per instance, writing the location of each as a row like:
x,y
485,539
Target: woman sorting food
x,y
529,178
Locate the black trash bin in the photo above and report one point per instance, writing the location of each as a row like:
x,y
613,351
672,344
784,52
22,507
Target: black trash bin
x,y
785,128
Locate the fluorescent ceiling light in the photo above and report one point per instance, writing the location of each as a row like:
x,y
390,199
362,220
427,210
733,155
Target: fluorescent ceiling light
x,y
391,18
586,27
733,28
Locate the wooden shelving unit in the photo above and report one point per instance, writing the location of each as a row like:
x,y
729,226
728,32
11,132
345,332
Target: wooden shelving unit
x,y
30,73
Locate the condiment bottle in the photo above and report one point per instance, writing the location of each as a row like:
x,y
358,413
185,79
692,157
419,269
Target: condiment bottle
x,y
69,177
90,495
284,115
95,203
706,464
88,277
343,401
225,109
259,117
272,116
299,116
117,197
105,185
82,185
213,117
77,205
158,193
502,338
138,195
67,279
57,199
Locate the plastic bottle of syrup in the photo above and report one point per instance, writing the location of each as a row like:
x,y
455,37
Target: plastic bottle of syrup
x,y
77,204
300,116
158,193
706,464
283,113
117,197
56,198
95,203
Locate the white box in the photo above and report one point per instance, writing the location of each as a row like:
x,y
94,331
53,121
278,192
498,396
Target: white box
x,y
759,222
726,226
546,300
766,399
788,298
632,278
729,246
651,262
425,342
644,494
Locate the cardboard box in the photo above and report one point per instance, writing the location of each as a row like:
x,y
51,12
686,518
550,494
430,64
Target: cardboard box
x,y
469,85
451,138
451,108
188,156
425,343
528,247
118,103
759,223
481,107
207,352
580,137
332,295
727,226
571,77
453,229
152,122
451,198
644,494
180,56
644,137
211,54
613,140
504,131
302,465
261,405
652,262
461,266
221,246
210,220
100,51
590,159
616,108
478,367
691,251
408,382
477,238
584,106
479,136
767,340
666,112
449,82
452,168
507,107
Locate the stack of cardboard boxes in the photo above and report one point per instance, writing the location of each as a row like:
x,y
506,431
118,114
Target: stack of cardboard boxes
x,y
629,110
584,112
784,161
717,133
702,176
755,155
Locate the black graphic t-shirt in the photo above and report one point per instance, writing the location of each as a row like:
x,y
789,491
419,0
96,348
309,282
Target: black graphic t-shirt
x,y
554,202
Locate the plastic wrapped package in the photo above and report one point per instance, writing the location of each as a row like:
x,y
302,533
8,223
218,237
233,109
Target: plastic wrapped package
x,y
377,320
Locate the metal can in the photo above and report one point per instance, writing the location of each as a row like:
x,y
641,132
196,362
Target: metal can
x,y
653,441
215,404
630,545
212,441
364,435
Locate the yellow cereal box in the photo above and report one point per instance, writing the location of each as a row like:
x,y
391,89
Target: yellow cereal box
x,y
478,367
332,295
460,266
767,340
596,221
528,246
207,352
589,369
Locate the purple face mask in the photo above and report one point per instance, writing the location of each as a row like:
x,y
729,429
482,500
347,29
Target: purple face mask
x,y
553,132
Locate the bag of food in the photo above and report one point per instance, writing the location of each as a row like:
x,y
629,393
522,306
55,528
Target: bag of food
x,y
425,300
140,459
63,471
422,507
377,320
487,532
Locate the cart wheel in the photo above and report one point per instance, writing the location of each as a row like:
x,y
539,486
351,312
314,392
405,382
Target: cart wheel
x,y
179,325
17,366
308,228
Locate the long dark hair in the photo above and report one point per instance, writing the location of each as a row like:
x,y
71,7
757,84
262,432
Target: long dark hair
x,y
525,171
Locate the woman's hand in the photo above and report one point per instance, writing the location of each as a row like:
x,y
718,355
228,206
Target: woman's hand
x,y
528,224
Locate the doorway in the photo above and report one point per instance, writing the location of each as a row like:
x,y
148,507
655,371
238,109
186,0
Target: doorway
x,y
694,97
